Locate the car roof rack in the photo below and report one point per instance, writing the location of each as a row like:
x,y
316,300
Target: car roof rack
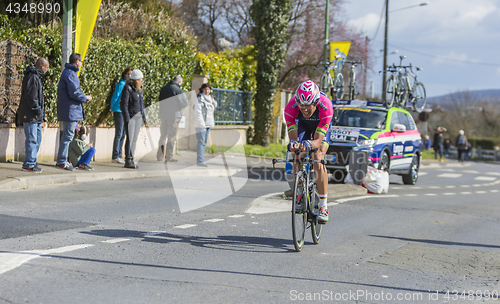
x,y
357,103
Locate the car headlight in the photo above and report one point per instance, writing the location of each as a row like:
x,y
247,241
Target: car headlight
x,y
365,142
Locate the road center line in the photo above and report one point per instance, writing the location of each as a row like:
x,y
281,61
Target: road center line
x,y
214,220
450,175
112,241
185,226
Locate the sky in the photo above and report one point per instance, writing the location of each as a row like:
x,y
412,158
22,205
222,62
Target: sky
x,y
455,42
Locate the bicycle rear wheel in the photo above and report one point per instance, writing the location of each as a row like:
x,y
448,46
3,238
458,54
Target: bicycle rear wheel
x,y
299,217
339,86
315,227
419,97
390,92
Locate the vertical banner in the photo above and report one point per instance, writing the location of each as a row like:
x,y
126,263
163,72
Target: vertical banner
x,y
341,48
86,14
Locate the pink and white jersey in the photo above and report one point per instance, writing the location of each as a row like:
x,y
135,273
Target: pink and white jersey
x,y
320,119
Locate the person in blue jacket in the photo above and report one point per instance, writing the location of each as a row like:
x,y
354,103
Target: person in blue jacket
x,y
118,117
70,99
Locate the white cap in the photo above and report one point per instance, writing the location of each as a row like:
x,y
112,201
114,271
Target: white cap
x,y
136,74
461,132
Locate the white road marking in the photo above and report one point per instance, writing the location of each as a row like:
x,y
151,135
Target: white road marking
x,y
112,241
481,191
493,173
238,215
343,200
332,204
465,186
449,193
185,226
11,260
494,191
430,194
446,170
470,171
255,223
450,187
422,173
486,178
214,220
450,175
434,187
477,185
411,194
465,192
396,188
416,187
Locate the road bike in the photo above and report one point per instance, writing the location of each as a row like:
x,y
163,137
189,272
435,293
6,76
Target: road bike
x,y
334,86
352,79
305,199
395,87
414,96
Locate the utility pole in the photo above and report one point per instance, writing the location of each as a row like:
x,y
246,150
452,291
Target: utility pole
x,y
385,50
67,39
327,39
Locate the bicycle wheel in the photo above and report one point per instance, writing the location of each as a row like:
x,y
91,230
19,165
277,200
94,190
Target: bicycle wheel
x,y
325,82
390,92
315,227
419,98
299,217
402,92
339,86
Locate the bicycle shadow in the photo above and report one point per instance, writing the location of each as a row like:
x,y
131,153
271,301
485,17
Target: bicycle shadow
x,y
221,242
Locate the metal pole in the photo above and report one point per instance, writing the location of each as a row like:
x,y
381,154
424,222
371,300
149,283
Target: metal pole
x,y
67,31
326,30
385,49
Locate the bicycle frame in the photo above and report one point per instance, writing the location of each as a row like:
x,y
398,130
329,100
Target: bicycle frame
x,y
352,79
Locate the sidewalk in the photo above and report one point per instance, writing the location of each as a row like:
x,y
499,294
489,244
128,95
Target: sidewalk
x,y
13,178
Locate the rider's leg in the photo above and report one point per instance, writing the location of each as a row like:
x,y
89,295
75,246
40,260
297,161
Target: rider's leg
x,y
321,176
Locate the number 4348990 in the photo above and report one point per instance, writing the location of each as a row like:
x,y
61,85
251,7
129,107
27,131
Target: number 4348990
x,y
33,8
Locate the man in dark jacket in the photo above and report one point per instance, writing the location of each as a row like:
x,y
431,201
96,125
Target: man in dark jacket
x,y
438,143
172,101
31,112
69,107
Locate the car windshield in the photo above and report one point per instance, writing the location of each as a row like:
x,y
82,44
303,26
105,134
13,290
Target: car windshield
x,y
360,118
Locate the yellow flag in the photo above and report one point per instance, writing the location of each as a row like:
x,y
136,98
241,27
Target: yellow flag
x,y
86,14
340,47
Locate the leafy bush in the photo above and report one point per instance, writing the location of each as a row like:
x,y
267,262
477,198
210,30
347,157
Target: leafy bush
x,y
224,73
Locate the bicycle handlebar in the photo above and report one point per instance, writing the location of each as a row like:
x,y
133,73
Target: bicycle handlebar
x,y
297,152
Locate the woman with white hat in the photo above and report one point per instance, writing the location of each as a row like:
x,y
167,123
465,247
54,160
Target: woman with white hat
x,y
132,104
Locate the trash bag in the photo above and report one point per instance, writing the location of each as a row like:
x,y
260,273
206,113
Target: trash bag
x,y
376,181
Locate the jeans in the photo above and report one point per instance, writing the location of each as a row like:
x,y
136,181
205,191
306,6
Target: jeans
x,y
119,135
33,134
132,129
202,137
438,149
66,138
86,158
168,131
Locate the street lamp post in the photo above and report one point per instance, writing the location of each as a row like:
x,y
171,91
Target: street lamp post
x,y
385,40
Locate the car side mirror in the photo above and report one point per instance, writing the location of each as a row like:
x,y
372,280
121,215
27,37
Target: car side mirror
x,y
399,128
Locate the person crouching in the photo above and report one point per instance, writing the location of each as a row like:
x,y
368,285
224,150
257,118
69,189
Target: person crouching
x,y
80,153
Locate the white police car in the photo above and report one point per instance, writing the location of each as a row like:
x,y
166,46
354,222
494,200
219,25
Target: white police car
x,y
389,136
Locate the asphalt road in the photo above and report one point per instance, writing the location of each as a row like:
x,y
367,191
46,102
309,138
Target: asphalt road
x,y
127,241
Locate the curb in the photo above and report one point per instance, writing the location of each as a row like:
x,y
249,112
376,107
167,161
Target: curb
x,y
68,179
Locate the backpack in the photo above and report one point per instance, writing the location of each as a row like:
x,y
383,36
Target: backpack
x,y
462,141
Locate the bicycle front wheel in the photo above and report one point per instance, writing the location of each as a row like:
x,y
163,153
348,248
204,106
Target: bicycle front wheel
x,y
315,227
390,92
419,98
339,86
299,211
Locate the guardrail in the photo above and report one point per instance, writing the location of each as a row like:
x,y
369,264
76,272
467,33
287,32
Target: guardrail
x,y
481,154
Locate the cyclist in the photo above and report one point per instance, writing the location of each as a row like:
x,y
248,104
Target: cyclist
x,y
308,115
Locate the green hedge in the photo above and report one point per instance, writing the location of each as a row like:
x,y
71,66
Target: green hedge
x,y
485,143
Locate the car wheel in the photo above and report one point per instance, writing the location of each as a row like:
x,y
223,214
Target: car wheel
x,y
412,177
383,163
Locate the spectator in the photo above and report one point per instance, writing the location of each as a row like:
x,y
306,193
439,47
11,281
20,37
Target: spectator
x,y
446,147
461,144
438,143
427,143
70,101
469,151
205,108
31,112
118,117
131,104
172,101
80,153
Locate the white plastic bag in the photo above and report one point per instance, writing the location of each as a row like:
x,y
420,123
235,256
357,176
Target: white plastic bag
x,y
376,181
